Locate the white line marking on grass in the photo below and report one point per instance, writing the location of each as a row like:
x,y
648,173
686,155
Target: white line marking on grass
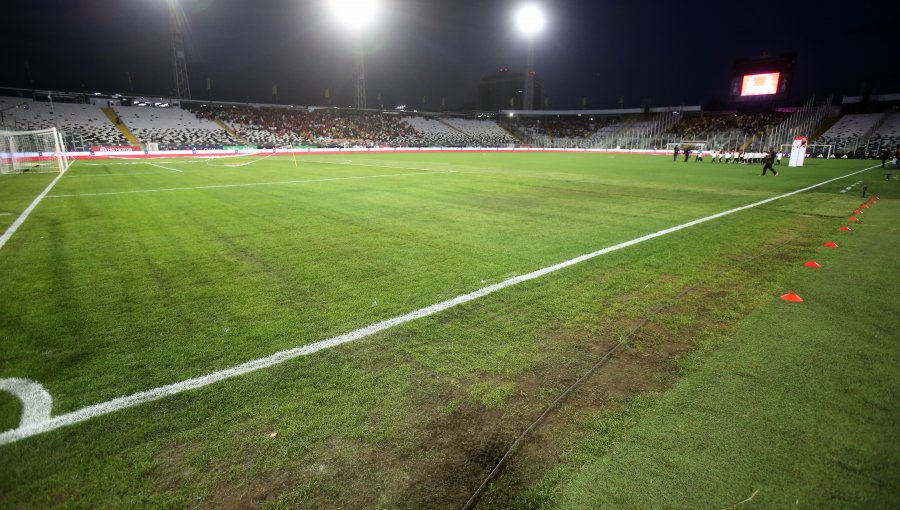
x,y
351,163
5,214
24,216
218,186
165,167
120,175
36,401
116,404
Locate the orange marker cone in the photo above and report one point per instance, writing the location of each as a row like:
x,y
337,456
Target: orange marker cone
x,y
853,218
830,244
845,229
858,211
864,206
813,264
793,298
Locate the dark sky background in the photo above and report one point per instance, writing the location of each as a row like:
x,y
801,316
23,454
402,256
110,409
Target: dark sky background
x,y
669,53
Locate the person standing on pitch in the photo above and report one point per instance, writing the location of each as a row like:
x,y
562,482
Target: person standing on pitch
x,y
769,159
675,156
687,154
699,155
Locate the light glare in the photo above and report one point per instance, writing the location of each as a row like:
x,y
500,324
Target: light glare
x,y
530,19
354,14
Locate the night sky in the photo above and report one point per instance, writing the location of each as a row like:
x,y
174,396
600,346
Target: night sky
x,y
667,53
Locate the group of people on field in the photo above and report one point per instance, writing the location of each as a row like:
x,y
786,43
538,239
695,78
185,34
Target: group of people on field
x,y
733,156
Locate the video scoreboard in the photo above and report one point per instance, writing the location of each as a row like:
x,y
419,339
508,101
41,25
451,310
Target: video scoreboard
x,y
763,79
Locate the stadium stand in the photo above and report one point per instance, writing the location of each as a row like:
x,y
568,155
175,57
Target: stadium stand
x,y
726,130
887,133
269,127
173,127
850,131
84,123
484,133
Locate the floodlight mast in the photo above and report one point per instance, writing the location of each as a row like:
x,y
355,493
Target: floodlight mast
x,y
530,20
356,16
179,62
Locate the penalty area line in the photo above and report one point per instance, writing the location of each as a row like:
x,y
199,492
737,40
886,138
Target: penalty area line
x,y
117,404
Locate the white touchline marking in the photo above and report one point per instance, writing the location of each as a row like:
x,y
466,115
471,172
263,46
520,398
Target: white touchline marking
x,y
24,216
166,167
36,402
218,186
117,404
351,163
5,214
120,175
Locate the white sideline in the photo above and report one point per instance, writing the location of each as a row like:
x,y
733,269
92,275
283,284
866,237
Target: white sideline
x,y
120,403
217,186
24,216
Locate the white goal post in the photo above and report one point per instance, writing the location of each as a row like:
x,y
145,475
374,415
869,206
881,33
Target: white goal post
x,y
825,150
39,151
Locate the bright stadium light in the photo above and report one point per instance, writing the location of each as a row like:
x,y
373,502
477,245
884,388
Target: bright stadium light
x,y
530,19
355,14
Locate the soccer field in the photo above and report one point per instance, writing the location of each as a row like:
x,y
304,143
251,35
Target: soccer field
x,y
132,276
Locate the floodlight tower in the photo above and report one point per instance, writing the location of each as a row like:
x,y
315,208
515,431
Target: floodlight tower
x,y
356,16
530,20
179,63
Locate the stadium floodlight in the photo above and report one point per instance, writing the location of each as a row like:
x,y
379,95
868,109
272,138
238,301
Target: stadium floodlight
x,y
355,14
530,19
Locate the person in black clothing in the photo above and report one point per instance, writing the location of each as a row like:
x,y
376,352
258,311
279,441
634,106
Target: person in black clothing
x,y
884,157
687,153
769,159
675,156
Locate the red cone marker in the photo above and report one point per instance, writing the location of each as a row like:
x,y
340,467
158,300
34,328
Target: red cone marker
x,y
813,264
793,298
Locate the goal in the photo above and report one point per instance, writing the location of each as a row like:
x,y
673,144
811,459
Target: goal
x,y
812,150
41,151
694,146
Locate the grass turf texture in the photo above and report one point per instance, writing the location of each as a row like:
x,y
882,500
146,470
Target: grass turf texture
x,y
111,294
800,409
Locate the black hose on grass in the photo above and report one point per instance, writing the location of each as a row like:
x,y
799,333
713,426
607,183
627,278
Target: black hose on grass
x,y
602,361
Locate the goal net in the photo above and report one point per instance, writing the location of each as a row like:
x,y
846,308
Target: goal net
x,y
693,146
32,151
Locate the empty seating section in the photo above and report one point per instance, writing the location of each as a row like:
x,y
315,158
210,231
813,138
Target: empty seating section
x,y
850,131
85,124
173,128
481,132
887,134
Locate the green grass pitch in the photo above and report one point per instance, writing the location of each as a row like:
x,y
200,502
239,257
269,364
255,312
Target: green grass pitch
x,y
131,275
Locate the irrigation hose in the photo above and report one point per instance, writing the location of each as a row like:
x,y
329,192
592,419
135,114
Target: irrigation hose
x,y
473,499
